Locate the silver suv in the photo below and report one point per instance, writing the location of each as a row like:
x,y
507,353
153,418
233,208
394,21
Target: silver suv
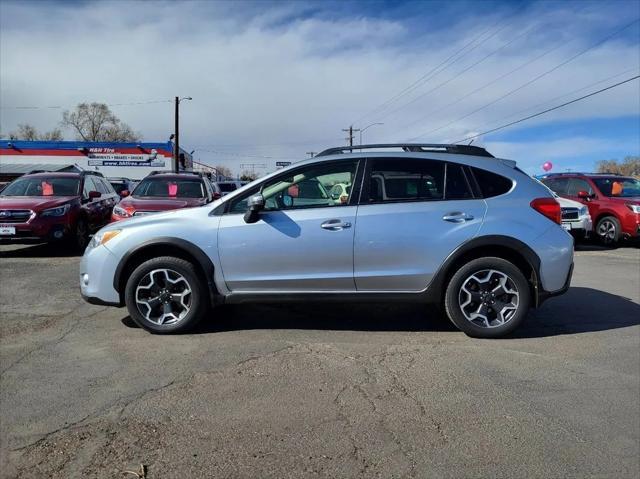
x,y
447,225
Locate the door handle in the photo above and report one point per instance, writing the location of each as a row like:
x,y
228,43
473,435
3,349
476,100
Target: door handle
x,y
457,217
335,225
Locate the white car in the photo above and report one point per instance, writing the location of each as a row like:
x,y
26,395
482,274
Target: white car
x,y
575,217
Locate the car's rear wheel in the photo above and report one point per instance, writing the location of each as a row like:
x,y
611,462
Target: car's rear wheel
x,y
487,298
608,230
166,295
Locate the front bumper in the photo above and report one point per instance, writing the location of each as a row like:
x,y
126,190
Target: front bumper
x,y
97,269
38,230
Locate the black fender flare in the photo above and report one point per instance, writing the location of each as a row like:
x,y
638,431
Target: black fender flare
x,y
204,262
438,283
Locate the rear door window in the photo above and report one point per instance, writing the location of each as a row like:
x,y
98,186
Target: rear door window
x,y
457,186
576,185
399,179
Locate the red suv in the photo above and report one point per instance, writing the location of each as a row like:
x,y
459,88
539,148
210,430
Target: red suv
x,y
162,192
50,206
613,201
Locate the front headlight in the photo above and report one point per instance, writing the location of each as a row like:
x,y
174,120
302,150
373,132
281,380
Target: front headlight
x,y
57,211
120,211
584,211
634,208
102,237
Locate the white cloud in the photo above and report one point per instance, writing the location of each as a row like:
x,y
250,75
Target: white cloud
x,y
290,73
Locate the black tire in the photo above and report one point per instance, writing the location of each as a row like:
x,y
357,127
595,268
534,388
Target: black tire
x,y
197,299
608,230
80,237
490,328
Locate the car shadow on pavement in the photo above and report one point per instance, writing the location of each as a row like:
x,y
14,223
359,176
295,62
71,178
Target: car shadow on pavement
x,y
580,310
41,250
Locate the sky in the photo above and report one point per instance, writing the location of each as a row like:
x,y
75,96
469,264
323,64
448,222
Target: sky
x,y
271,81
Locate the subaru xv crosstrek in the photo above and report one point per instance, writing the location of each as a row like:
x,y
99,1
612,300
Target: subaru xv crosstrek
x,y
613,202
448,225
55,207
162,191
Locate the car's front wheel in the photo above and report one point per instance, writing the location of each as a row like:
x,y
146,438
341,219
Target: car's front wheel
x,y
608,230
166,295
487,298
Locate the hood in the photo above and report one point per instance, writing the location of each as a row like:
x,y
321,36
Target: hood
x,y
159,204
35,203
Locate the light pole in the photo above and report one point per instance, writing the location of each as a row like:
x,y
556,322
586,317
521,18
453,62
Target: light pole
x,y
369,126
176,141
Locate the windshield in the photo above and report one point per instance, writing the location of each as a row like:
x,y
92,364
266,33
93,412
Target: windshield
x,y
618,187
170,188
43,186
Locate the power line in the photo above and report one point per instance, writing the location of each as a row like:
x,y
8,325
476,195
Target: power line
x,y
240,155
548,110
437,69
572,92
60,107
524,85
457,75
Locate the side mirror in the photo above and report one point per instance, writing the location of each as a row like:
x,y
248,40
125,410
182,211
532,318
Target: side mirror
x,y
124,193
256,204
94,194
584,195
216,196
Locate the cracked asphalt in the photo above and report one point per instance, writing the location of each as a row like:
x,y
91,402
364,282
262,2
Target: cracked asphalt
x,y
318,390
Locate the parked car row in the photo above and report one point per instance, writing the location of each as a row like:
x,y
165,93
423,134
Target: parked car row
x,y
613,202
68,207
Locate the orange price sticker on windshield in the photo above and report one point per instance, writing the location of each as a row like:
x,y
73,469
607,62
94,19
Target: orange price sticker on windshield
x,y
47,189
173,189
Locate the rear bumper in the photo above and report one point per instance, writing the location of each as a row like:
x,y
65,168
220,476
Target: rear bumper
x,y
544,295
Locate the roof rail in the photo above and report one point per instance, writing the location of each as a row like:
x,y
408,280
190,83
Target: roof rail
x,y
414,147
166,172
577,173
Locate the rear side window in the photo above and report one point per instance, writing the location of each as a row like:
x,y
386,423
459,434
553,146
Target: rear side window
x,y
557,185
406,180
491,184
457,187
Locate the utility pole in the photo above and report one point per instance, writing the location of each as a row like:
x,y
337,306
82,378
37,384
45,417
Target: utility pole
x,y
311,153
351,130
176,143
176,140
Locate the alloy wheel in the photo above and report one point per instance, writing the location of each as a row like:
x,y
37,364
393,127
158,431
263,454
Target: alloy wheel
x,y
489,298
163,297
607,230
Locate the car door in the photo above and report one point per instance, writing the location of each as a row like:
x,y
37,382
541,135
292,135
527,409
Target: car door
x,y
108,199
302,241
408,222
92,207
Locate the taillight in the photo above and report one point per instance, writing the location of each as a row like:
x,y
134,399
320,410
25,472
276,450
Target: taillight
x,y
548,207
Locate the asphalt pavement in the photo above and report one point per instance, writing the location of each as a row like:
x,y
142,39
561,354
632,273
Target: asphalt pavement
x,y
315,390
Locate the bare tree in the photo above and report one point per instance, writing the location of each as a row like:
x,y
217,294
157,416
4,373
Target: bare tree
x,y
247,175
630,166
96,122
224,171
30,133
